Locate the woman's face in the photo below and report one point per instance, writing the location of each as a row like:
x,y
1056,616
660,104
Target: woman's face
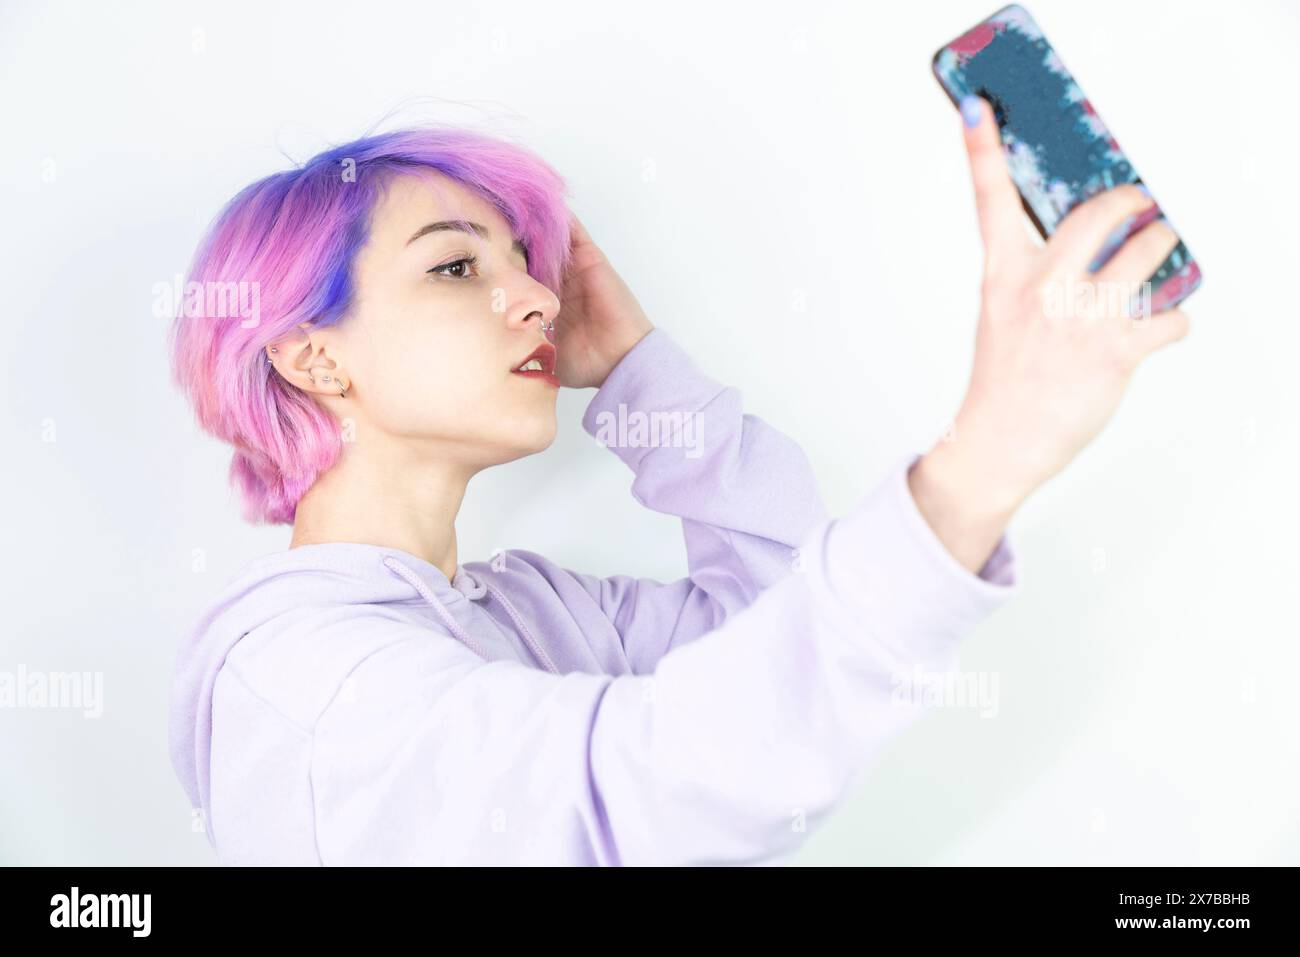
x,y
441,319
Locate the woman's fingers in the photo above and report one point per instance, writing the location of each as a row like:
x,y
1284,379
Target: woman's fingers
x,y
1140,256
997,201
1085,229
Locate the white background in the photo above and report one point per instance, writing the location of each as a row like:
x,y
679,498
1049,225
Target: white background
x,y
733,160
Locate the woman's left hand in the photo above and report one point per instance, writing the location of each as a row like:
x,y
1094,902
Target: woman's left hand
x,y
599,320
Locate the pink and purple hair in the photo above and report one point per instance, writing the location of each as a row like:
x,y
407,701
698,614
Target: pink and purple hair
x,y
294,236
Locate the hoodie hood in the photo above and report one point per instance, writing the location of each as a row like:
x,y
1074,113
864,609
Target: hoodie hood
x,y
333,573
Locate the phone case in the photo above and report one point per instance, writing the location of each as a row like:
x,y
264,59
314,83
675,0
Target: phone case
x,y
1058,150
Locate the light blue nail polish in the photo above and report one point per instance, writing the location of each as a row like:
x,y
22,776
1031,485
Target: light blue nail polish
x,y
1145,192
970,110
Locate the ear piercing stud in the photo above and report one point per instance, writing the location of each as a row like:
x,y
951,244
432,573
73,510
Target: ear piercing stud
x,y
343,389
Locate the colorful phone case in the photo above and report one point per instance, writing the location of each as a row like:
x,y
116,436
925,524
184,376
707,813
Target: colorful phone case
x,y
1058,150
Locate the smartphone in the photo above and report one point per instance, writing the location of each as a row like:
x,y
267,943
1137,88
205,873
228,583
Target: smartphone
x,y
1058,150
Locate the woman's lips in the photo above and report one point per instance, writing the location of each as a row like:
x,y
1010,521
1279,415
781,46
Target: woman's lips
x,y
545,357
544,376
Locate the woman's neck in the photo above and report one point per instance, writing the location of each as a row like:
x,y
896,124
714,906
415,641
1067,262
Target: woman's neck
x,y
395,500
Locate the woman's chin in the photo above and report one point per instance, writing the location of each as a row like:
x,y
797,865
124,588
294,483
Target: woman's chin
x,y
530,438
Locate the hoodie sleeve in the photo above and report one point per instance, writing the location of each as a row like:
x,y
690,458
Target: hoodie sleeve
x,y
731,751
745,492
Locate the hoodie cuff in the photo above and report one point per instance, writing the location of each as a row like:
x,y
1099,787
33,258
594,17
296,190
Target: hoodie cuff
x,y
897,576
656,375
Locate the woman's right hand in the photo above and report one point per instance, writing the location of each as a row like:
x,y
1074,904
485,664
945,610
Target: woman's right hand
x,y
1054,349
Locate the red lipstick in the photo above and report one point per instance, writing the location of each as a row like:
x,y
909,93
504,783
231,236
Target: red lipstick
x,y
542,366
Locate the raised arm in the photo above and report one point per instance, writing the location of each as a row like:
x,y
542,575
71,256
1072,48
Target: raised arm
x,y
745,492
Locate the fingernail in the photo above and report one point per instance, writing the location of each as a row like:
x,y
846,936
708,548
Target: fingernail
x,y
970,110
1145,192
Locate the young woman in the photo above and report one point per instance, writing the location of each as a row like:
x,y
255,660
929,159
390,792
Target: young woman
x,y
363,697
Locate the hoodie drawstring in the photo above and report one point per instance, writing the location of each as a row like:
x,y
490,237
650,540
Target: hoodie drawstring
x,y
524,633
454,626
423,589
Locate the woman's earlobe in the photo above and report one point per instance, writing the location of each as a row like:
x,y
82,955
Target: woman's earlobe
x,y
343,389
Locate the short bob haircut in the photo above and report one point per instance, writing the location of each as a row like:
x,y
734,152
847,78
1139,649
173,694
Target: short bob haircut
x,y
292,238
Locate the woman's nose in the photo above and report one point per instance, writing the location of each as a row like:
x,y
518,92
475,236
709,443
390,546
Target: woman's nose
x,y
548,325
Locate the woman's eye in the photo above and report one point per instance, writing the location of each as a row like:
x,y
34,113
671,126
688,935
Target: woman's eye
x,y
470,261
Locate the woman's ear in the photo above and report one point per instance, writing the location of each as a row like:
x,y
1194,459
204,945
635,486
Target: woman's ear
x,y
307,364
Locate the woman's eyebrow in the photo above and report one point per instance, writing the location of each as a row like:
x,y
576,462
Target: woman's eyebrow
x,y
465,227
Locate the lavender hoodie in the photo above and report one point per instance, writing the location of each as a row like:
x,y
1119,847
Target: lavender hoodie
x,y
347,704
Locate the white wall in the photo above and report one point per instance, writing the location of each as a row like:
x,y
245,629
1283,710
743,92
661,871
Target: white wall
x,y
1147,711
